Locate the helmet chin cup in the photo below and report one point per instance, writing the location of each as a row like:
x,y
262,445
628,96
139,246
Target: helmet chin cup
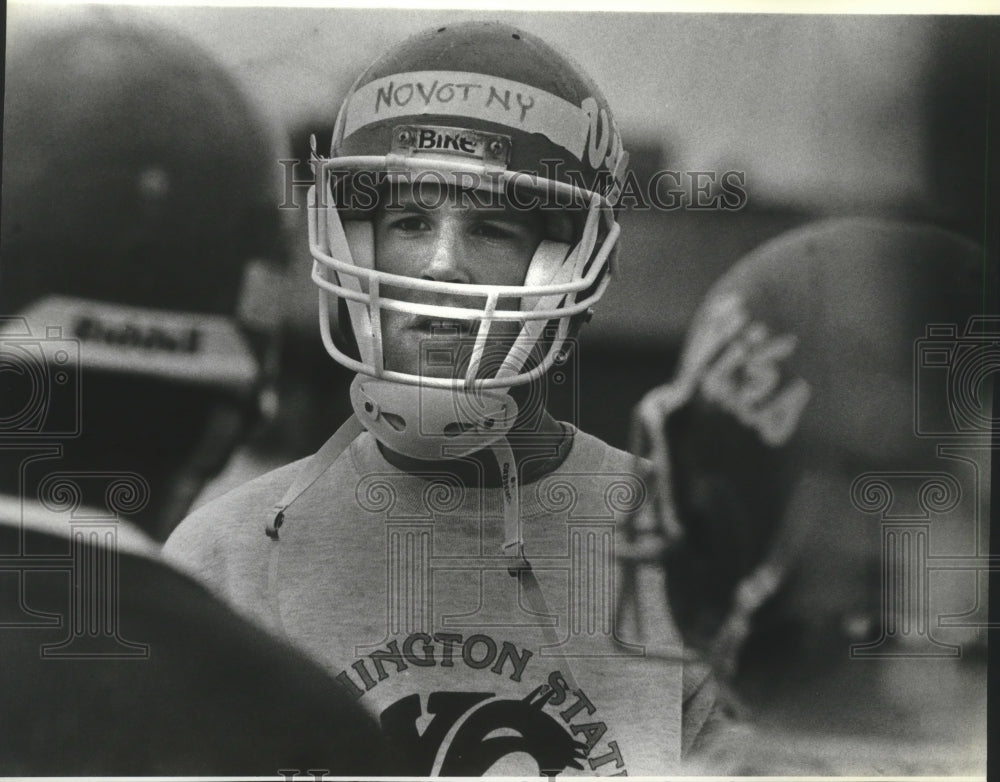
x,y
432,423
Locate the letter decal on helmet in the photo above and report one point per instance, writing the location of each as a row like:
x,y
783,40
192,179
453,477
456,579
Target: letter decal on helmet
x,y
604,142
492,148
197,348
739,368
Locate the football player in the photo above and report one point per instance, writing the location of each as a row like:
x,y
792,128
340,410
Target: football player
x,y
818,466
453,541
138,218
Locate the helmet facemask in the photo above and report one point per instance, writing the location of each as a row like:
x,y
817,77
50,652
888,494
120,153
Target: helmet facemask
x,y
563,281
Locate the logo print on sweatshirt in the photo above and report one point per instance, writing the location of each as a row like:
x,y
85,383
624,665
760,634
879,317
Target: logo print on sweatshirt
x,y
488,729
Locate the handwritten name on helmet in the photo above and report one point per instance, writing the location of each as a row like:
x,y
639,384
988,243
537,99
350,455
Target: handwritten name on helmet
x,y
436,91
738,365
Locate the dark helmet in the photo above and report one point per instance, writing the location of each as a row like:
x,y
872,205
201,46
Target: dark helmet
x,y
815,383
139,223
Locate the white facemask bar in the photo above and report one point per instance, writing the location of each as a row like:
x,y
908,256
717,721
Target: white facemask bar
x,y
360,286
649,438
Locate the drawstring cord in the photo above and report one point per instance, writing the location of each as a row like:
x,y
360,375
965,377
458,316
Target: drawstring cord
x,y
518,565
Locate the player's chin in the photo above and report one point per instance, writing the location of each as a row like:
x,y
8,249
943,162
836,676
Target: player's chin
x,y
416,353
430,353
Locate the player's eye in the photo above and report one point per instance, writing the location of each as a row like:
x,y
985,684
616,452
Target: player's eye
x,y
409,224
496,231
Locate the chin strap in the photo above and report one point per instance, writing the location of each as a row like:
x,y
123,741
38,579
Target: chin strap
x,y
317,464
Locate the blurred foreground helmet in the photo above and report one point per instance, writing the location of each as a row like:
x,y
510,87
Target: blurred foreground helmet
x,y
135,171
801,485
489,110
140,229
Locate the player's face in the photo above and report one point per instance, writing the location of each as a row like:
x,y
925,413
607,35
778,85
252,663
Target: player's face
x,y
432,232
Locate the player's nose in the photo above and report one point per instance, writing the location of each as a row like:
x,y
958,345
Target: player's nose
x,y
447,260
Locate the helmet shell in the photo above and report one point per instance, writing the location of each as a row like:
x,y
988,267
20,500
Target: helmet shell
x,y
134,170
801,372
494,78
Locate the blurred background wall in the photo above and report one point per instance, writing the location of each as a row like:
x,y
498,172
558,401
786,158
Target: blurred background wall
x,y
819,114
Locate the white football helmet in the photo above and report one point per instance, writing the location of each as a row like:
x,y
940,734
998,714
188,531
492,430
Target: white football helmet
x,y
485,108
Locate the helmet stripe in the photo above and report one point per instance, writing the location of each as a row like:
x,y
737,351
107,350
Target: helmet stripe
x,y
489,98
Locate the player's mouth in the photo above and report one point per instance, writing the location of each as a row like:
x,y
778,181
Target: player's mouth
x,y
441,327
